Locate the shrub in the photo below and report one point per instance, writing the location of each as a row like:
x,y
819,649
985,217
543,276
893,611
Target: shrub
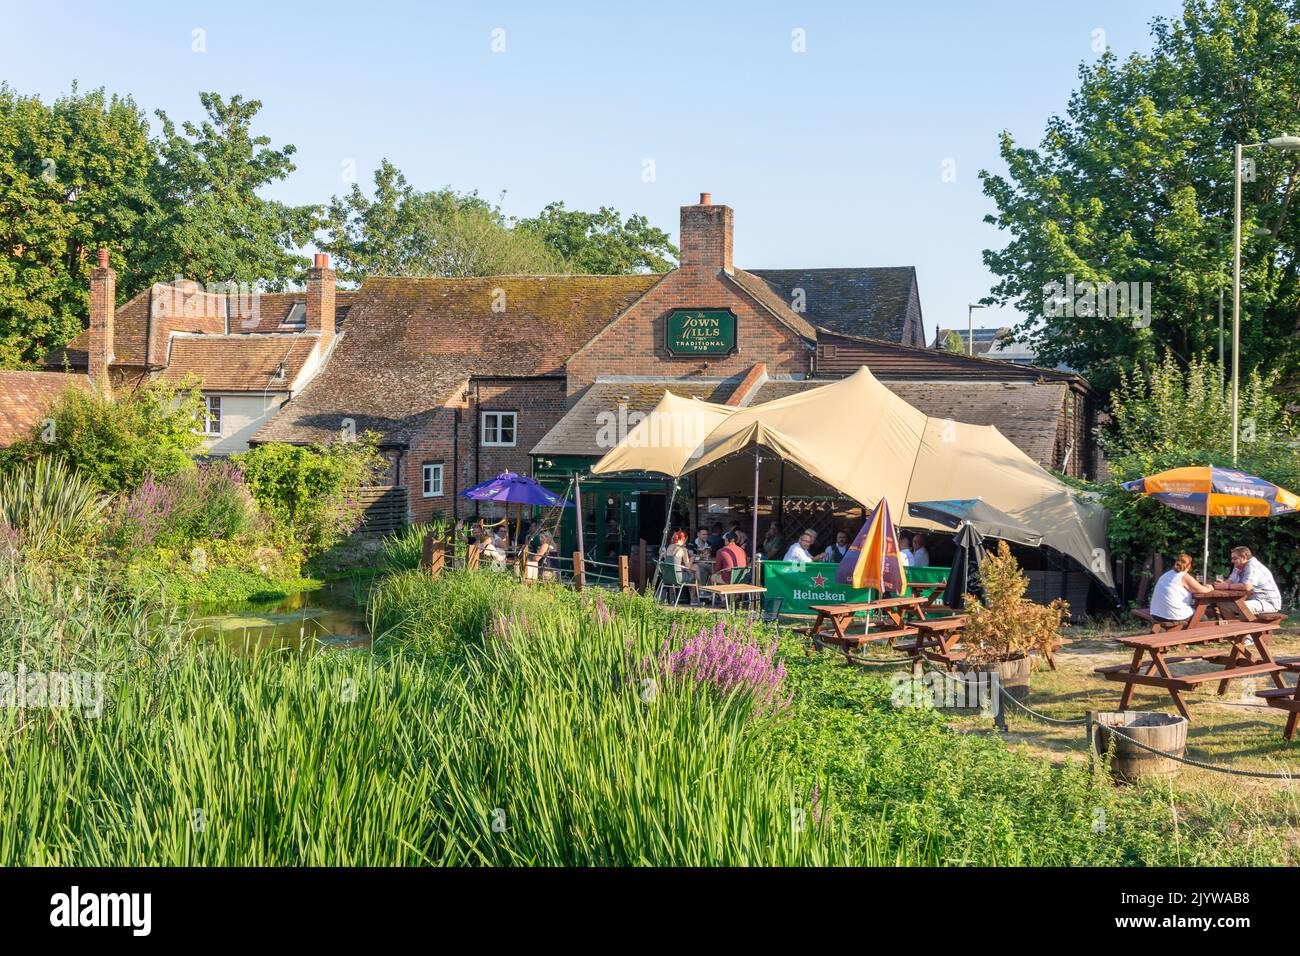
x,y
1007,624
206,503
48,508
309,492
119,442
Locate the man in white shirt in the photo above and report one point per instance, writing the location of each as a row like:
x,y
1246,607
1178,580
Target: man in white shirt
x,y
919,556
1249,575
801,549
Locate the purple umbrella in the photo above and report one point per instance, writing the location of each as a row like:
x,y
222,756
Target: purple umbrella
x,y
509,488
516,490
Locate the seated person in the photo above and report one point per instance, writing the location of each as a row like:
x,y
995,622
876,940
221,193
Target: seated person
x,y
702,540
836,552
731,556
773,543
799,551
540,560
1249,575
1171,599
919,556
491,550
715,537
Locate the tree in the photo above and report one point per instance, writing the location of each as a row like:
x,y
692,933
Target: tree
x,y
214,226
1134,185
952,342
74,175
603,243
1165,415
402,231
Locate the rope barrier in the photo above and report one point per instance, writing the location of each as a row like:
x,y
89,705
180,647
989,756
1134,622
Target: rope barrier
x,y
1094,728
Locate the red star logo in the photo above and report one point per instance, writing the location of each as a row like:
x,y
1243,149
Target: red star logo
x,y
819,580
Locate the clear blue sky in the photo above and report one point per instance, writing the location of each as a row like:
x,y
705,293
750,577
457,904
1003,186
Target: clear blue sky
x,y
830,157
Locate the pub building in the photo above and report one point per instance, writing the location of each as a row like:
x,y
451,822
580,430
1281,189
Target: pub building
x,y
463,378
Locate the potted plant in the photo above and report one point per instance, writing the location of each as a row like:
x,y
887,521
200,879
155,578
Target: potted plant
x,y
1007,626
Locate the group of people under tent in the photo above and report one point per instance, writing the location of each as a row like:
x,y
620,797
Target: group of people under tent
x,y
1173,598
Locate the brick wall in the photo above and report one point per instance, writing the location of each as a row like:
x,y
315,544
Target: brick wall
x,y
538,402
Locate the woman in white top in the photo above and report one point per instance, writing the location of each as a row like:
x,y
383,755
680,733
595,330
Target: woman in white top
x,y
1172,598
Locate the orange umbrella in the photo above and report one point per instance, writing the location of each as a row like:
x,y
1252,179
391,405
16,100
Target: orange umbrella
x,y
874,560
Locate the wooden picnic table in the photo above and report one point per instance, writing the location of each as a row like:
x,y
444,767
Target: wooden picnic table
x,y
1240,661
936,640
931,591
730,592
1286,698
840,617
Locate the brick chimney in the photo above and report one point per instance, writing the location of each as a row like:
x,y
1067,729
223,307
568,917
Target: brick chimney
x,y
103,292
320,299
706,237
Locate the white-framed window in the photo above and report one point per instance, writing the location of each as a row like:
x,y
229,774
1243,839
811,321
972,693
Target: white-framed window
x,y
499,428
431,480
212,415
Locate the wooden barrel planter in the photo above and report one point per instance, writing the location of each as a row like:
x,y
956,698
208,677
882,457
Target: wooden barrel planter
x,y
1130,763
1013,674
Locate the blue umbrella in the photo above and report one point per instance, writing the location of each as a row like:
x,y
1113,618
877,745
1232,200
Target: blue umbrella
x,y
516,490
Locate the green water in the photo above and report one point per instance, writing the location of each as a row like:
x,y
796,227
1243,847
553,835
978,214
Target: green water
x,y
331,617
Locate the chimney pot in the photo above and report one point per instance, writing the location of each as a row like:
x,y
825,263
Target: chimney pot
x,y
322,260
706,199
103,258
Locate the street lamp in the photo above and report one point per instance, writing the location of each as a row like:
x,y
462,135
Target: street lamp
x,y
970,328
1277,142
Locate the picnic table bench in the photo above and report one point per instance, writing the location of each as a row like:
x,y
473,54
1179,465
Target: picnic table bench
x,y
1213,605
1285,698
936,640
832,623
1239,661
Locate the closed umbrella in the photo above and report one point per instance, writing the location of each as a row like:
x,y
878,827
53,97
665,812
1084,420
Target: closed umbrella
x,y
964,578
1221,492
874,560
989,521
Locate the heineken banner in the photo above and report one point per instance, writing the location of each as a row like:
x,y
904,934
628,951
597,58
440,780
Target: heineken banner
x,y
800,585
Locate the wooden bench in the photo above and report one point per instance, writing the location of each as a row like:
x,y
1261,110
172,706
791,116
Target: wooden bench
x,y
1240,661
849,643
1285,698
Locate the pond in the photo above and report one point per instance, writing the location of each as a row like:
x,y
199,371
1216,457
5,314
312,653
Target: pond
x,y
331,617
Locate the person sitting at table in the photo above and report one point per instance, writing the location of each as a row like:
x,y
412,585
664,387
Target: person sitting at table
x,y
1171,599
799,551
731,556
702,540
742,542
716,540
679,557
501,538
836,552
1249,575
916,556
490,550
773,543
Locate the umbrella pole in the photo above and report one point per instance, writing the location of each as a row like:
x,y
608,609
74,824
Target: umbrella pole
x,y
1205,563
577,503
758,458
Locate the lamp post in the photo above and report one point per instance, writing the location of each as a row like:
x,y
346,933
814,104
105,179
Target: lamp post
x,y
970,328
1277,142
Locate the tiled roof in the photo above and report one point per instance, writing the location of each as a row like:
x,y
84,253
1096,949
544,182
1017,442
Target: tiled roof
x,y
839,354
411,343
239,363
1027,413
141,341
774,303
871,302
579,432
25,397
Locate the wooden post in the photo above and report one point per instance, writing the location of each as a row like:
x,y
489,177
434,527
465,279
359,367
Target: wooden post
x,y
624,574
579,572
471,557
435,555
642,572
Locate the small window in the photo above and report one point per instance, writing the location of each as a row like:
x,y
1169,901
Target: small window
x,y
212,415
432,480
499,428
297,317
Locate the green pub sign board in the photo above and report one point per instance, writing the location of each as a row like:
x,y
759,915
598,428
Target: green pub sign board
x,y
701,332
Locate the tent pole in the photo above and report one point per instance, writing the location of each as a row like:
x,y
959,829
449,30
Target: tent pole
x,y
1205,563
753,542
663,543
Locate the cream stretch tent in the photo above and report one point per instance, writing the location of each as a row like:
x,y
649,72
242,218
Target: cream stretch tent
x,y
857,438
